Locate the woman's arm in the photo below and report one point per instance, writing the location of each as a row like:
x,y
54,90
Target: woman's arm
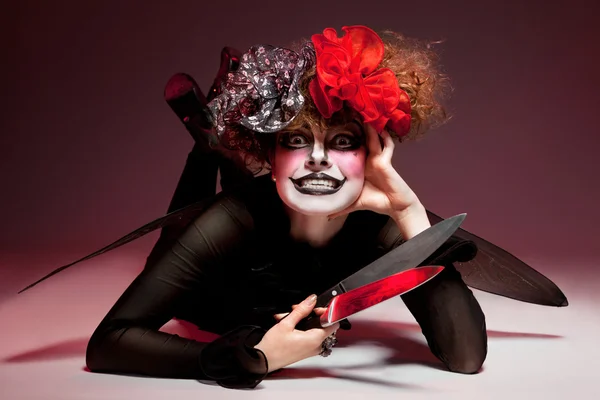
x,y
128,341
411,220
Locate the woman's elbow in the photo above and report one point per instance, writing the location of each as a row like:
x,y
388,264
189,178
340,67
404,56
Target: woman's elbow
x,y
467,361
95,357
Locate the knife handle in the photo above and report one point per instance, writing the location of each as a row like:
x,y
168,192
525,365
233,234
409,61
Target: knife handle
x,y
324,298
313,320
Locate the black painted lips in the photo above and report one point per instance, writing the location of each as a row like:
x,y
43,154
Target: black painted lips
x,y
337,184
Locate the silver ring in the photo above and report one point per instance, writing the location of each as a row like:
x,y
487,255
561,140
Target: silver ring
x,y
327,344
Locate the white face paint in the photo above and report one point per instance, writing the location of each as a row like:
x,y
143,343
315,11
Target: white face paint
x,y
320,172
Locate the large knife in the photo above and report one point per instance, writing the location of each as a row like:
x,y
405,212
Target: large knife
x,y
404,257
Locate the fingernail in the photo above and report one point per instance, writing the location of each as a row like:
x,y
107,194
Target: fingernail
x,y
311,299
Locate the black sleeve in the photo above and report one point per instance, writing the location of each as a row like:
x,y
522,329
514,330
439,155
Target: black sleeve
x,y
128,338
448,313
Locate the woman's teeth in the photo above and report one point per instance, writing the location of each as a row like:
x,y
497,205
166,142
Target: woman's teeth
x,y
317,184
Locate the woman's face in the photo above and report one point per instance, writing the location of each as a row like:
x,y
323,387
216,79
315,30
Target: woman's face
x,y
320,172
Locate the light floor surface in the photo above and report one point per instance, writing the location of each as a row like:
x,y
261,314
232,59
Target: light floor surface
x,y
534,352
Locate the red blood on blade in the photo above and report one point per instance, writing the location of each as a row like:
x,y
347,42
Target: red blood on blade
x,y
374,293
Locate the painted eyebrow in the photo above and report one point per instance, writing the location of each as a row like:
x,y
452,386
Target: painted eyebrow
x,y
304,127
347,128
360,133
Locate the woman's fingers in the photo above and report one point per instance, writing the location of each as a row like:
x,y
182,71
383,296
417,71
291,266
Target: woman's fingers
x,y
320,310
300,312
373,141
388,146
322,334
331,329
380,145
279,317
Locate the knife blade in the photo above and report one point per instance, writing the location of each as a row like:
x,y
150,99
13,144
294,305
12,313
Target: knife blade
x,y
349,303
404,257
346,304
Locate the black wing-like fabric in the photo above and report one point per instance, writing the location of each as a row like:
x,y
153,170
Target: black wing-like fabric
x,y
496,271
181,217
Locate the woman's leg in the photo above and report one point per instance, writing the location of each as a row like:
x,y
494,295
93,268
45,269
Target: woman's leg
x,y
451,320
198,180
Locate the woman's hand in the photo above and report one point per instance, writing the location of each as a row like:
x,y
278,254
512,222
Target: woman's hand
x,y
384,191
283,344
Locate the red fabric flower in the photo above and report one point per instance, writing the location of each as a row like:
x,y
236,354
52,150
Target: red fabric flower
x,y
347,71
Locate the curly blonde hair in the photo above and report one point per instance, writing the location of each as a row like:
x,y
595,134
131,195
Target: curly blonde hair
x,y
416,66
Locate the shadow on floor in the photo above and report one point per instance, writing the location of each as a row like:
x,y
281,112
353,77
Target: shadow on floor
x,y
391,335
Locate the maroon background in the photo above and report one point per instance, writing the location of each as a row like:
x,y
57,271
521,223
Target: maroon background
x,y
90,150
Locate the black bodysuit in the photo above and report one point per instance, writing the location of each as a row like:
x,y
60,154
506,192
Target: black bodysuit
x,y
236,265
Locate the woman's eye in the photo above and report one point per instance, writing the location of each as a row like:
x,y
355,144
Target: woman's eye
x,y
297,139
294,140
345,142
